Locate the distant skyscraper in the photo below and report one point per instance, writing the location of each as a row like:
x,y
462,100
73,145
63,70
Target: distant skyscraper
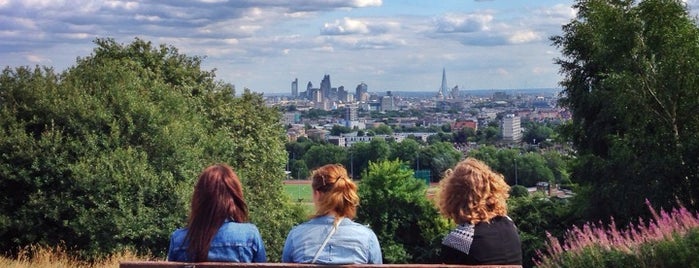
x,y
295,88
361,89
443,89
325,86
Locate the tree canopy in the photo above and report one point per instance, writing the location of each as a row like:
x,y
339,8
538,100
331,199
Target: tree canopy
x,y
103,156
631,81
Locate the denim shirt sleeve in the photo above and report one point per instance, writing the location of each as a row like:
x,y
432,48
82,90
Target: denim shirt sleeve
x,y
261,254
375,256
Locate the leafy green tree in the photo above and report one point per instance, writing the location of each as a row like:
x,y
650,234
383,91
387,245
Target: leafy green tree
x,y
631,71
536,133
382,129
536,215
439,157
338,129
104,156
298,169
362,153
322,154
395,206
406,151
464,135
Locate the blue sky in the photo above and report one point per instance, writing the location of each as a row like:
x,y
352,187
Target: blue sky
x,y
264,45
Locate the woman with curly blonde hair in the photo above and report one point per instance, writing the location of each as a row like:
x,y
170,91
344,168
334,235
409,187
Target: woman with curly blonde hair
x,y
475,197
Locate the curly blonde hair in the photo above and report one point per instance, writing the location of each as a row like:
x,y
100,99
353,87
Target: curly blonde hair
x,y
472,192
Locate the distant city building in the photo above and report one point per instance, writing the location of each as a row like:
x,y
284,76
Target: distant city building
x,y
443,90
351,113
470,123
362,92
295,88
511,128
325,87
387,103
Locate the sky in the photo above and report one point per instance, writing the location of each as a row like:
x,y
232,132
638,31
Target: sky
x,y
396,45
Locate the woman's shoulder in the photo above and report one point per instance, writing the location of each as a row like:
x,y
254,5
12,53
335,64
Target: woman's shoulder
x,y
240,226
357,226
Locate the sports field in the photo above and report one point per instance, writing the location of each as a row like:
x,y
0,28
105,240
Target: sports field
x,y
300,190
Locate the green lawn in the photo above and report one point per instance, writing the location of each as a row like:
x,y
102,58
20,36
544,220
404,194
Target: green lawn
x,y
299,192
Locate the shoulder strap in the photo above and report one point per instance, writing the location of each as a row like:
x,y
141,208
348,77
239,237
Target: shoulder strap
x,y
334,229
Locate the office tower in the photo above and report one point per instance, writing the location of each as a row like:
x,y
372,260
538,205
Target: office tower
x,y
325,86
511,128
361,89
309,91
295,88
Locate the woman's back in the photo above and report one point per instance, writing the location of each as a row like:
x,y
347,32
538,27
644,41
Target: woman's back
x,y
351,243
234,242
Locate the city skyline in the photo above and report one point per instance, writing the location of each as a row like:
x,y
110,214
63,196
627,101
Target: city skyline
x,y
264,45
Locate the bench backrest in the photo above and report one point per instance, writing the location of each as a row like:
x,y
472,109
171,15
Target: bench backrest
x,y
166,264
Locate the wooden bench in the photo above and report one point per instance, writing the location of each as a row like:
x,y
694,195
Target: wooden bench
x,y
167,264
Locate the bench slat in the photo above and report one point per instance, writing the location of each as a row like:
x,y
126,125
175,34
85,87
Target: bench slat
x,y
167,264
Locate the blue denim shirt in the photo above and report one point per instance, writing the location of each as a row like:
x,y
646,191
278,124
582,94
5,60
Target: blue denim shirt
x,y
351,243
234,242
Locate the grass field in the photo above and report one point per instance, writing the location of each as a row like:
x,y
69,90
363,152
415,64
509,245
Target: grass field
x,y
299,192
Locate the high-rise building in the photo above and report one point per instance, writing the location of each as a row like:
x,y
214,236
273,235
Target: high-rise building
x,y
359,92
325,86
511,128
295,88
443,89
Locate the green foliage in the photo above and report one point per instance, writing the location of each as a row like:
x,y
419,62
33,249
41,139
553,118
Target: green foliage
x,y
322,154
362,153
524,169
395,205
103,156
536,132
536,215
631,71
519,191
439,157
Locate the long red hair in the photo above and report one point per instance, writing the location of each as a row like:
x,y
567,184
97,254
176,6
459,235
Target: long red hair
x,y
218,195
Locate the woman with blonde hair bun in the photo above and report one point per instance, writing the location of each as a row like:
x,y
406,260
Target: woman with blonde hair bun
x,y
330,236
475,197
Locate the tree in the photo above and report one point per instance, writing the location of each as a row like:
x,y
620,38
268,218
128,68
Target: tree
x,y
395,206
362,153
382,129
631,73
322,154
536,215
338,129
406,151
536,133
103,157
439,157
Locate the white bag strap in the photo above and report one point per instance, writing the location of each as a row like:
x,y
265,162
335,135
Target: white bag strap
x,y
326,240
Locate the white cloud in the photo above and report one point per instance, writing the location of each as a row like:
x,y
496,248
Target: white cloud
x,y
523,36
464,23
346,26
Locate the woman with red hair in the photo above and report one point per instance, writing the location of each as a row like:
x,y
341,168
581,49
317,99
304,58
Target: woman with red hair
x,y
331,237
475,197
217,230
